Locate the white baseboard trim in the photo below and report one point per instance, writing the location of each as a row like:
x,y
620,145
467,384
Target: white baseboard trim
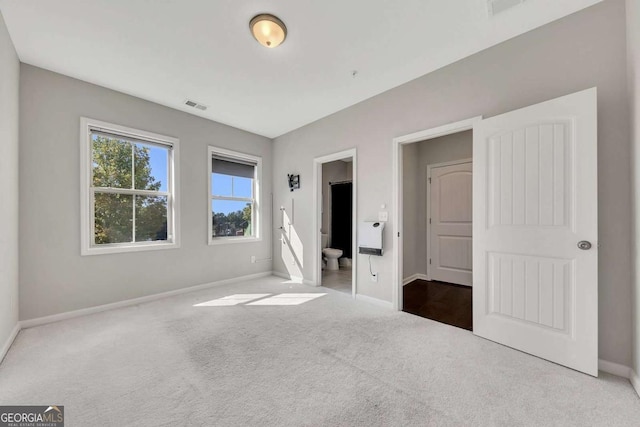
x,y
417,276
294,279
621,371
278,274
635,381
99,308
310,283
614,368
374,301
9,341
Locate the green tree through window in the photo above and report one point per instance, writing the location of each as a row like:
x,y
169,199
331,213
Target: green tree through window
x,y
126,216
236,223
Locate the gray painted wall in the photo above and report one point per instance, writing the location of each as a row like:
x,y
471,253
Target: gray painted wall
x,y
633,52
54,278
9,84
578,52
447,148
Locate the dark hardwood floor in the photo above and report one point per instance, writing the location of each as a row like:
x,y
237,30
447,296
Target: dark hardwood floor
x,y
444,302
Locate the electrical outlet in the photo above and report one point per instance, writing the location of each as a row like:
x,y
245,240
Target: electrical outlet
x,y
374,277
253,259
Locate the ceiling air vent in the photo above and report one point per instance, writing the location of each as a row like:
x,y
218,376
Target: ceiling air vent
x,y
195,104
499,6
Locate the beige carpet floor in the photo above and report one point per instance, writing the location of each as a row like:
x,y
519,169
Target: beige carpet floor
x,y
268,352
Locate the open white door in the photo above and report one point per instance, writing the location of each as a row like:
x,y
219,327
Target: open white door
x,y
535,230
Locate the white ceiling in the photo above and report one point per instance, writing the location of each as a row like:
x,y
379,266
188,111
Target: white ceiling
x,y
169,50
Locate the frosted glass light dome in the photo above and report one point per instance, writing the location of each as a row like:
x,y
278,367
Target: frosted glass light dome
x,y
268,30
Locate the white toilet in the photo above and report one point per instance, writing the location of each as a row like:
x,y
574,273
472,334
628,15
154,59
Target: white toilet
x,y
330,255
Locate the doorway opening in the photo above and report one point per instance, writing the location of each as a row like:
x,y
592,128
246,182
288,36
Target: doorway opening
x,y
403,190
437,197
335,221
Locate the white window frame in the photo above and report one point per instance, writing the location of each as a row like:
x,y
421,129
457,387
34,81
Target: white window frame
x,y
257,207
87,226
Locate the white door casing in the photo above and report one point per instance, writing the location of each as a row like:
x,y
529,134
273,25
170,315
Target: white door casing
x,y
317,214
396,185
535,199
449,223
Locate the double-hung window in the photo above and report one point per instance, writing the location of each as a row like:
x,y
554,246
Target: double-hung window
x,y
128,189
234,208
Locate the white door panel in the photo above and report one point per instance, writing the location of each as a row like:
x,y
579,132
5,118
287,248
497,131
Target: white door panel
x,y
450,249
535,198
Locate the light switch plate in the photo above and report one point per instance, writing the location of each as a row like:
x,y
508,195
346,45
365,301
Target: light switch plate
x,y
383,216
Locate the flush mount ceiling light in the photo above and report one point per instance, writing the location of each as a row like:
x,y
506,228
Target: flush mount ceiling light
x,y
268,30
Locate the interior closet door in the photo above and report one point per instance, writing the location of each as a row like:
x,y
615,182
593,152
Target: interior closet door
x,y
450,227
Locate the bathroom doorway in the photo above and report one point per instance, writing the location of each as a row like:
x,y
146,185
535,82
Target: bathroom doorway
x,y
335,219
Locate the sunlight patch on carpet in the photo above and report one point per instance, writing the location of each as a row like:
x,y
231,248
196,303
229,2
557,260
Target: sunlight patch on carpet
x,y
287,299
231,300
260,299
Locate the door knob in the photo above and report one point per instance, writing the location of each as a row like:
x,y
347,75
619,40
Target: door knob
x,y
584,245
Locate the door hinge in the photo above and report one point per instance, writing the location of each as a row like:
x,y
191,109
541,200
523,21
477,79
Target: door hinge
x,y
429,261
429,180
429,220
398,234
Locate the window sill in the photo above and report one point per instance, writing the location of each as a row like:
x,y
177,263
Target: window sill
x,y
97,250
233,240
